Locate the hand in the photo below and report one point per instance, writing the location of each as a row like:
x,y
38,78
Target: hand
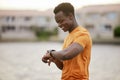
x,y
47,58
50,60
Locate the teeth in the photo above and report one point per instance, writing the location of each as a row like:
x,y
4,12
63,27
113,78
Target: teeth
x,y
62,27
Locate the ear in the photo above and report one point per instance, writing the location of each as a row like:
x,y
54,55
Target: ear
x,y
71,16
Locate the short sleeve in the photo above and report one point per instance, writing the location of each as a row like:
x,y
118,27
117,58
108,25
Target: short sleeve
x,y
82,40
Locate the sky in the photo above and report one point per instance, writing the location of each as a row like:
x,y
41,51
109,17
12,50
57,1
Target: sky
x,y
47,4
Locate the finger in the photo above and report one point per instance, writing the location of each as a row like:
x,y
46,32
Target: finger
x,y
49,62
44,60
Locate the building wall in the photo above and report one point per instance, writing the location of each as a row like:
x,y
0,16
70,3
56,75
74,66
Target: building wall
x,y
17,24
100,20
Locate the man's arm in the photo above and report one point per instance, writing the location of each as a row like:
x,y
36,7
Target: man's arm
x,y
68,53
58,63
73,50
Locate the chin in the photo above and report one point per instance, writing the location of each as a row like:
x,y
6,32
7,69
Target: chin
x,y
64,30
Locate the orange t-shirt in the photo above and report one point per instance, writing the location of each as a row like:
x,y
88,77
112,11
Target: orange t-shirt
x,y
77,67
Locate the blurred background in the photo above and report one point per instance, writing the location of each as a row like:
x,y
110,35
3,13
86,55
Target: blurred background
x,y
28,29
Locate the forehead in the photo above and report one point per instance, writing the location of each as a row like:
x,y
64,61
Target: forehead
x,y
59,15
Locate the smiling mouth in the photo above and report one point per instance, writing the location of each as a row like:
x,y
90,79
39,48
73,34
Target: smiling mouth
x,y
62,28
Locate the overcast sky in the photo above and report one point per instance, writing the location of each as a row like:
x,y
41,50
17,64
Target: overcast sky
x,y
46,4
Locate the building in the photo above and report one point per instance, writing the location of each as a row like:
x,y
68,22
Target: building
x,y
101,21
18,24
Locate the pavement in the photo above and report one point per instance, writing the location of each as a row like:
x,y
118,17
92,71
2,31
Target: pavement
x,y
22,61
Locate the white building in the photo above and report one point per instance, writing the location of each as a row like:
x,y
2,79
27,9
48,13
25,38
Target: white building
x,y
17,24
101,20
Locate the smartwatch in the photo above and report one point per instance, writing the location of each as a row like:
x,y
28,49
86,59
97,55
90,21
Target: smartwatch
x,y
51,53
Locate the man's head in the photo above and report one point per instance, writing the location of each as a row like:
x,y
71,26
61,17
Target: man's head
x,y
66,8
64,16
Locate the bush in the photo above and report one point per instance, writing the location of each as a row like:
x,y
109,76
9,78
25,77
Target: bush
x,y
43,34
117,31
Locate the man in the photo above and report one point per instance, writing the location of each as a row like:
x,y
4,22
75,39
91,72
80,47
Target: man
x,y
74,58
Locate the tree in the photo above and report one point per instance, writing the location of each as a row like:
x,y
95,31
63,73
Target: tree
x,y
117,31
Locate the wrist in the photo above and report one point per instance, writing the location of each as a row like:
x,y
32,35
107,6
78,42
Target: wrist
x,y
51,53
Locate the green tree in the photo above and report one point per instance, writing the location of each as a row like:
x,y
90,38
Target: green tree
x,y
117,31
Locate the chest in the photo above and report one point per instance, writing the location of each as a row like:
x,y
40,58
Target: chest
x,y
68,40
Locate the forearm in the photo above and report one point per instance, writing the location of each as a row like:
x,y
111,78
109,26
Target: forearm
x,y
69,52
64,54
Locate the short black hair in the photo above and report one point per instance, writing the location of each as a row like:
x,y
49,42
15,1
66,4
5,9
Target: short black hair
x,y
66,8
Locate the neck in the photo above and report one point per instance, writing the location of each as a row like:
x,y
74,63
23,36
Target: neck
x,y
73,27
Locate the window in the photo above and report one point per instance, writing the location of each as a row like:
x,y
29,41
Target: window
x,y
89,27
8,28
7,18
95,16
106,27
90,17
12,18
111,16
27,18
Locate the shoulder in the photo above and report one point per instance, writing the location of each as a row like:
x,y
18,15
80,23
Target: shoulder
x,y
82,36
80,31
